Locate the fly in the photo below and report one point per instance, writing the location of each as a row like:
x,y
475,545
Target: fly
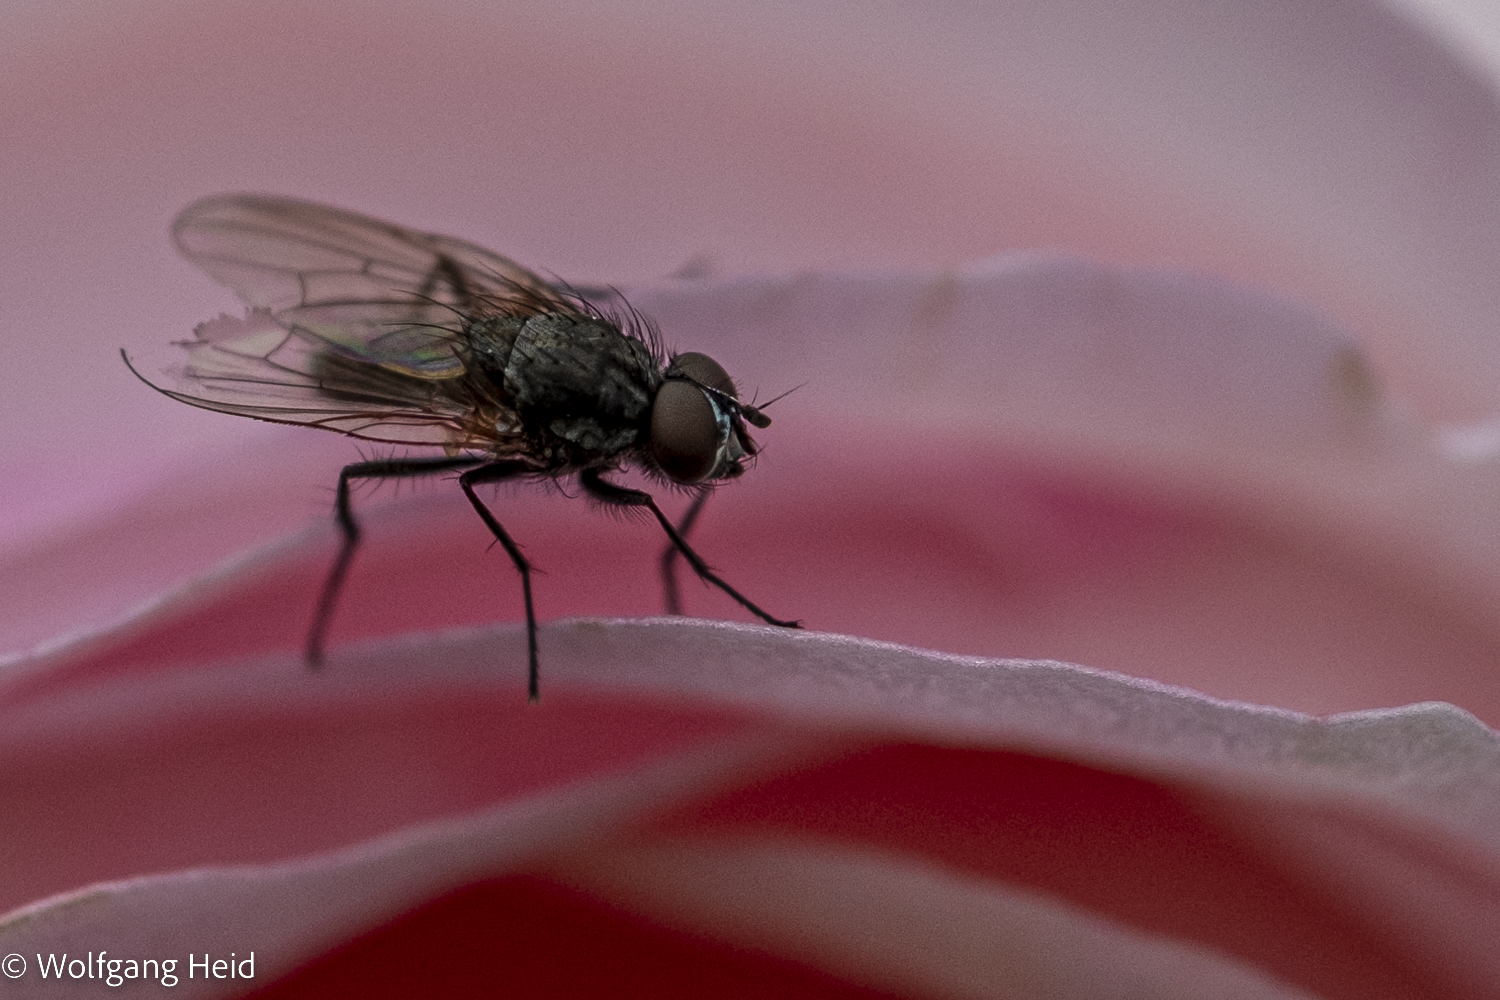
x,y
387,334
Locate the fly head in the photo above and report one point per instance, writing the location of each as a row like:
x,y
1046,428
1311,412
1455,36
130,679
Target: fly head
x,y
698,423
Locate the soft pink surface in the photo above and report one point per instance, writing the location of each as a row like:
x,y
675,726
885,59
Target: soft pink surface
x,y
1151,471
840,812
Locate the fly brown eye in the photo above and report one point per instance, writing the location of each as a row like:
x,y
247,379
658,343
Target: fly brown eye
x,y
705,371
684,432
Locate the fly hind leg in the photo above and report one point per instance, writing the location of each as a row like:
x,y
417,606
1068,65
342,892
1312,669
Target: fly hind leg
x,y
671,595
601,489
389,468
494,472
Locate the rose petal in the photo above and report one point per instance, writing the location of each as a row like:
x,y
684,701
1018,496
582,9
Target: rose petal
x,y
285,914
109,780
1148,833
915,930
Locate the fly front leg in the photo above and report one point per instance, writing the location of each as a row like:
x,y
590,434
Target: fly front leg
x,y
670,593
601,489
387,468
494,473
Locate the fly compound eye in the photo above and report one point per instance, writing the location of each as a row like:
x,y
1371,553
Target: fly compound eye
x,y
684,432
705,371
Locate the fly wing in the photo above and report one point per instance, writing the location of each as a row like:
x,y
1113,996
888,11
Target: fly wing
x,y
364,288
282,254
356,325
256,367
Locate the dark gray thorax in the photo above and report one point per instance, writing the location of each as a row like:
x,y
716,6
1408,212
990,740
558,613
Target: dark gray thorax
x,y
576,378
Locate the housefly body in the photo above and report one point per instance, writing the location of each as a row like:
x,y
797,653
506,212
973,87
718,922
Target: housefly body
x,y
366,328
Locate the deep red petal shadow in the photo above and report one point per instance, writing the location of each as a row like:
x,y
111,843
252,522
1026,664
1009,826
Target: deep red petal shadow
x,y
523,937
1119,846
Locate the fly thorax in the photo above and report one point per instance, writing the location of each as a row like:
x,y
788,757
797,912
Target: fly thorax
x,y
491,340
581,379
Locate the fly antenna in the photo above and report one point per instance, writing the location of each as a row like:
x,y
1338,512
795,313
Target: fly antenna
x,y
784,395
752,412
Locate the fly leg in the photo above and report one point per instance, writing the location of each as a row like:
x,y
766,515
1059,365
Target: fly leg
x,y
620,496
494,472
388,468
445,269
671,595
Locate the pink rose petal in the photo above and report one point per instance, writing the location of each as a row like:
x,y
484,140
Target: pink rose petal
x,y
1122,811
914,929
288,912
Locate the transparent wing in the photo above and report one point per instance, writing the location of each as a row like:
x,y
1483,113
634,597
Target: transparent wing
x,y
356,325
256,367
366,288
282,254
